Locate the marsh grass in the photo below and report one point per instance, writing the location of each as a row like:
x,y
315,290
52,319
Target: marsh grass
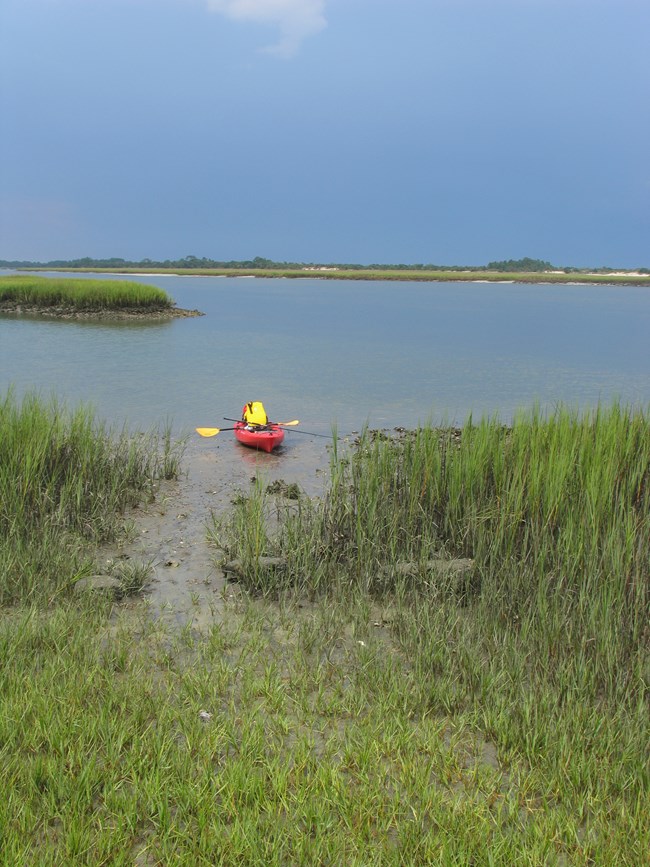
x,y
82,294
65,482
545,648
554,510
133,574
293,734
363,717
404,274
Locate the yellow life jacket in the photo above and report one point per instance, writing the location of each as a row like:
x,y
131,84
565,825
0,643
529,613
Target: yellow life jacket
x,y
254,413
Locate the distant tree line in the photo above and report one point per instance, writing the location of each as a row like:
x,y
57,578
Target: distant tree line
x,y
525,265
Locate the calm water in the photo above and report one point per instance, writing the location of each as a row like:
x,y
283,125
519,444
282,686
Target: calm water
x,y
345,352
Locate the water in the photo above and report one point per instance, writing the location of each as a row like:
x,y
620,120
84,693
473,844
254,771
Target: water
x,y
342,352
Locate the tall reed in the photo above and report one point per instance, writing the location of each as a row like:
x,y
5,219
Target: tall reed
x,y
554,511
64,482
544,646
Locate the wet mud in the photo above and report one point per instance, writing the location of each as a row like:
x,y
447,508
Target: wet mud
x,y
186,587
20,308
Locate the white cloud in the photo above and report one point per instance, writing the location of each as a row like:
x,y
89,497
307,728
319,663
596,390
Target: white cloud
x,y
296,19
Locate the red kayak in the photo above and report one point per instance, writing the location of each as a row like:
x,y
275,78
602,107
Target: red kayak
x,y
265,438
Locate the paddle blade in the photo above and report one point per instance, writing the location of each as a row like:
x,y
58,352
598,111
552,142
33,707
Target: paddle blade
x,y
207,431
288,423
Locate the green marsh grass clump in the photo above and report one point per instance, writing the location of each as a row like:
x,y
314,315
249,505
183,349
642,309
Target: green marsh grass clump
x,y
553,510
545,650
64,484
82,294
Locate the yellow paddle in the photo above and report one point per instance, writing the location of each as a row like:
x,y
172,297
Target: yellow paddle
x,y
211,431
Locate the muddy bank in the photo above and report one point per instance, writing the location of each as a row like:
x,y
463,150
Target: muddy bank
x,y
186,586
67,312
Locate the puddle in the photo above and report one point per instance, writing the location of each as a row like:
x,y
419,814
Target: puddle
x,y
186,588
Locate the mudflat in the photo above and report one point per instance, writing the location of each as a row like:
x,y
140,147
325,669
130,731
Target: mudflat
x,y
18,308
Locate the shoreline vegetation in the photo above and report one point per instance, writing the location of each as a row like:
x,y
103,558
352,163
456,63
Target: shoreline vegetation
x,y
405,275
65,482
520,270
82,298
362,700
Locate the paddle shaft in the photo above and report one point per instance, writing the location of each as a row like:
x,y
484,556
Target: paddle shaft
x,y
280,423
306,432
310,434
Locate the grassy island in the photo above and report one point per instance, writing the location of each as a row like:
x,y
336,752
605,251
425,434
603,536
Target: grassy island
x,y
80,294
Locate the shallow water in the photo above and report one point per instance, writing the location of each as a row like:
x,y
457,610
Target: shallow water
x,y
342,352
325,352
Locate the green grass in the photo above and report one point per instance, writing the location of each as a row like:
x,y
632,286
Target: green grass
x,y
82,294
358,713
543,647
300,735
64,484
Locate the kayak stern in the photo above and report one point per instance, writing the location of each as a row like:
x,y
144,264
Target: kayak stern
x,y
264,439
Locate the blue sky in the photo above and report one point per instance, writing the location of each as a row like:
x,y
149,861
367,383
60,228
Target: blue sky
x,y
444,131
